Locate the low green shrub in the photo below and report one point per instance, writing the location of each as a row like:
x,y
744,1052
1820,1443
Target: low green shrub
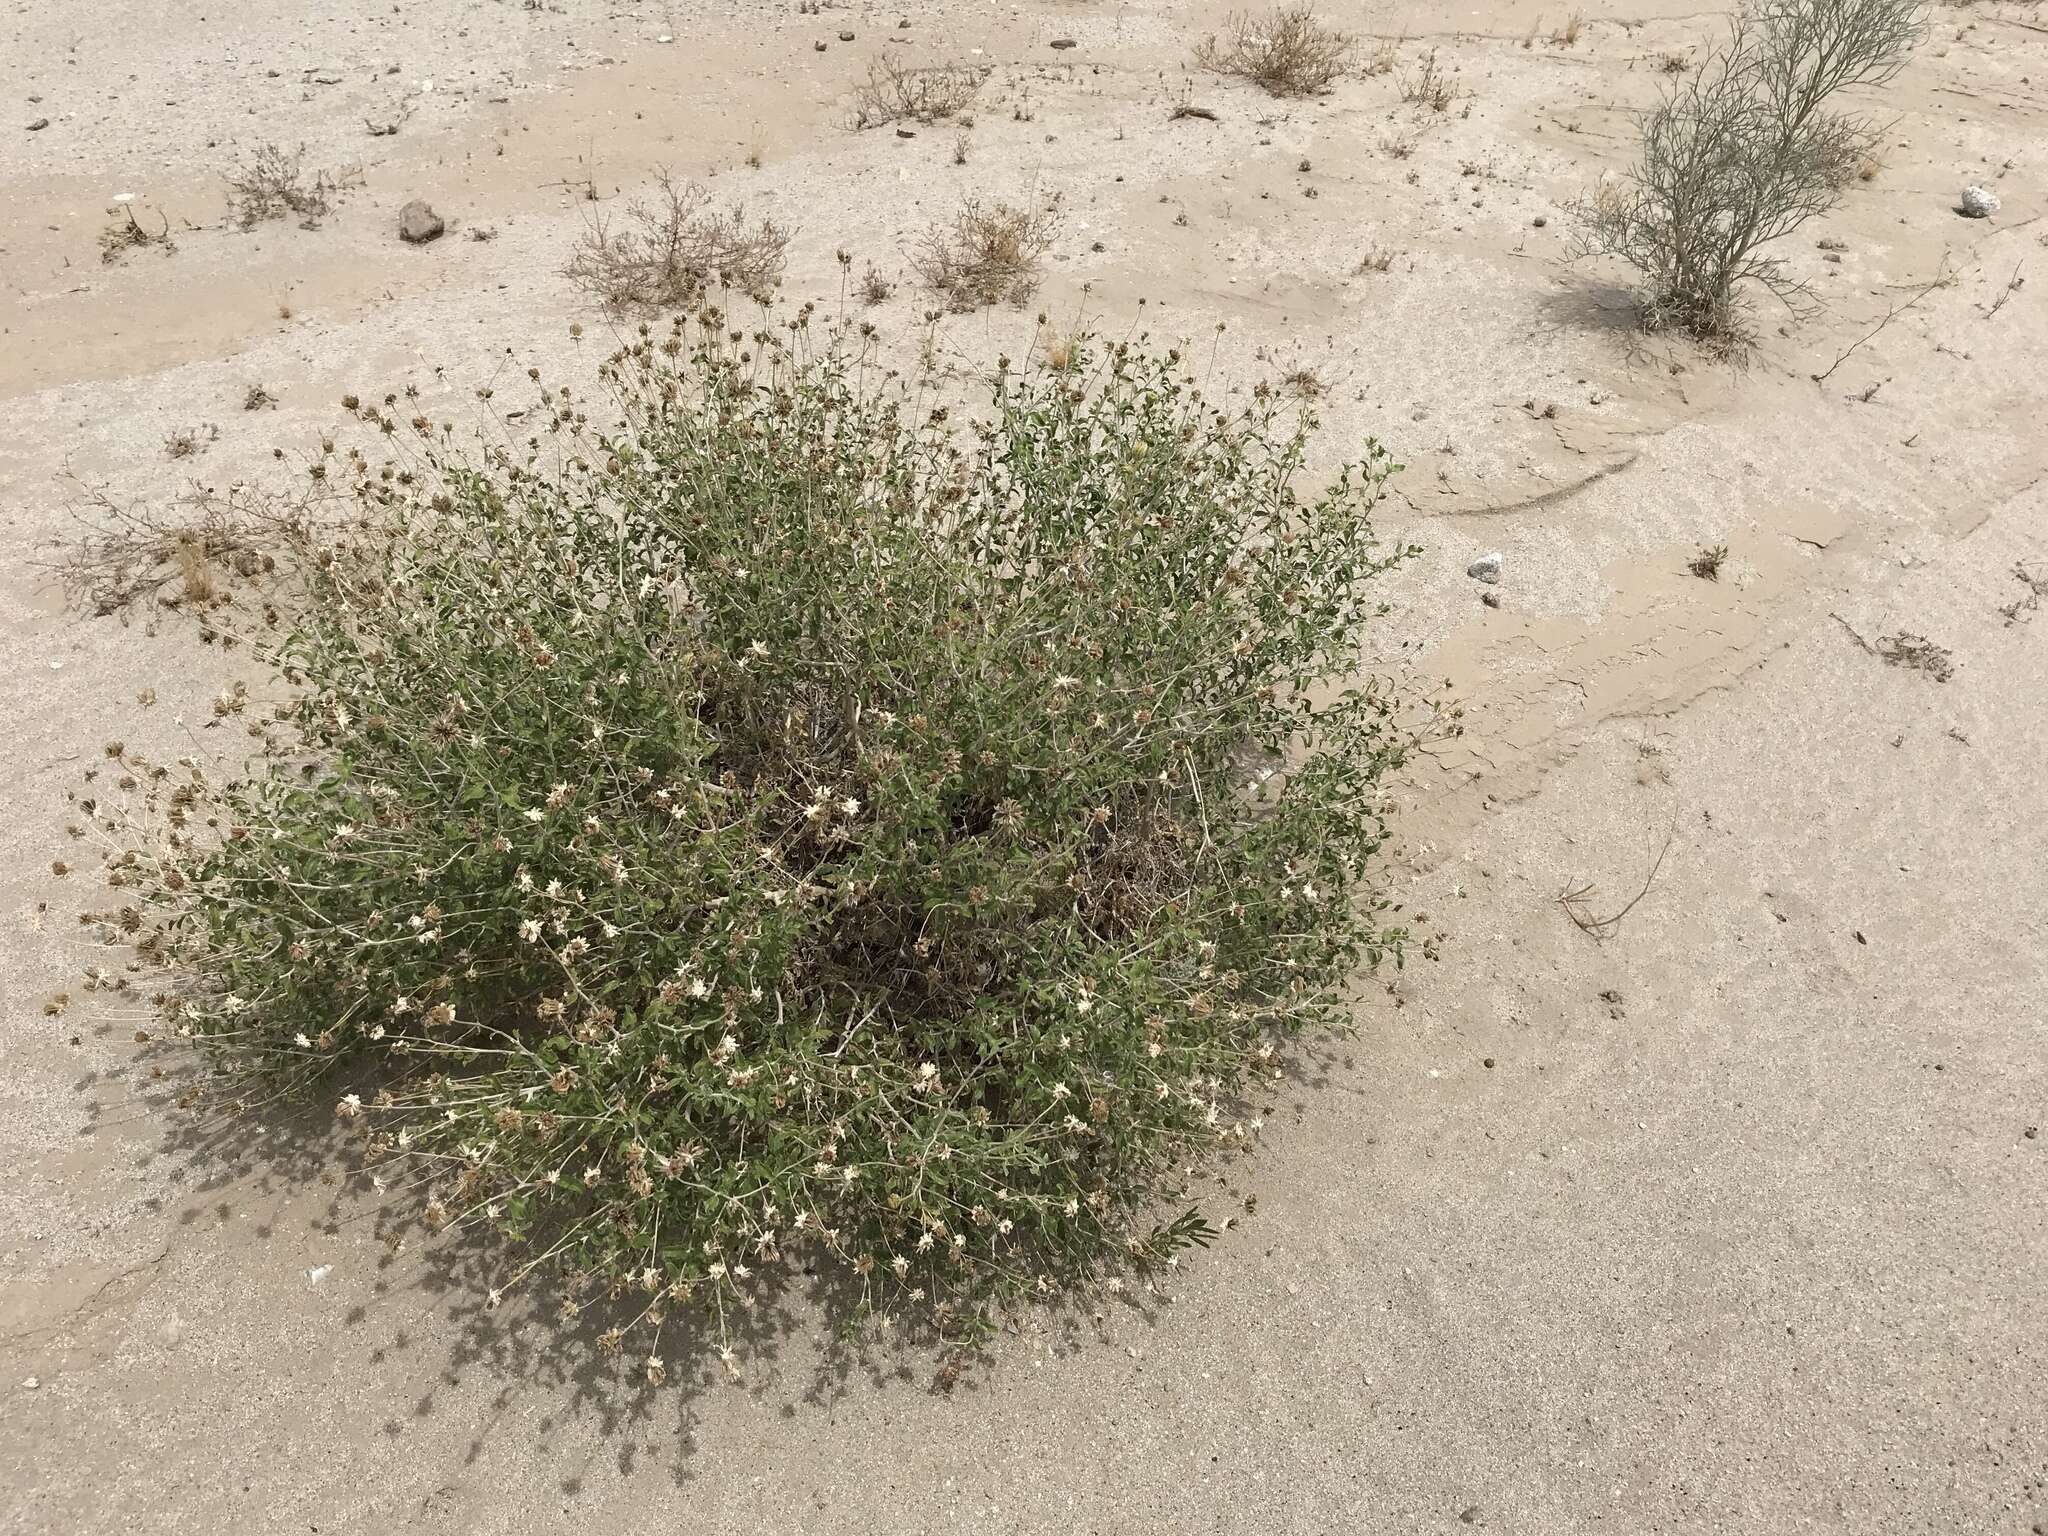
x,y
789,828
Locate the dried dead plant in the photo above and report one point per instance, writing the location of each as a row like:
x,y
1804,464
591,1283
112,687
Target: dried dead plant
x,y
986,254
1289,51
127,233
194,554
273,184
673,247
895,92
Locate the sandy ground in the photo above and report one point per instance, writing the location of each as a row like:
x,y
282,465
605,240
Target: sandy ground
x,y
1735,1221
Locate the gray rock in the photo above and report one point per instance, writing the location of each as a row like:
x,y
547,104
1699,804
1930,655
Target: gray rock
x,y
1977,203
39,125
1486,568
417,223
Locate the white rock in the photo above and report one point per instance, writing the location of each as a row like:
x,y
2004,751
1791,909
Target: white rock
x,y
1977,203
1486,568
318,1273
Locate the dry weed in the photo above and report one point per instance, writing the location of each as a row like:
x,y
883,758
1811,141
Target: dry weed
x,y
984,255
1429,86
894,92
272,184
127,234
1289,51
145,557
673,248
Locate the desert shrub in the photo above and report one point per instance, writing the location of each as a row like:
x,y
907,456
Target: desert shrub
x,y
1289,51
673,247
986,254
784,830
895,91
272,183
1744,150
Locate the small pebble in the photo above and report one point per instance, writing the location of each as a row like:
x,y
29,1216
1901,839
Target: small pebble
x,y
1539,221
1486,568
39,125
1063,42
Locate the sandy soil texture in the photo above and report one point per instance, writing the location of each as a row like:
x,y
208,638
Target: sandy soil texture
x,y
1734,1220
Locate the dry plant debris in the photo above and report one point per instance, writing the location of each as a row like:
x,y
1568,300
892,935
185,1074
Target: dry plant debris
x,y
126,233
272,184
895,92
986,254
673,247
1289,51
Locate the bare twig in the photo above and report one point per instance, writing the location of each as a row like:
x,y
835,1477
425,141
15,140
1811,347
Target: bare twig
x,y
1574,897
1941,279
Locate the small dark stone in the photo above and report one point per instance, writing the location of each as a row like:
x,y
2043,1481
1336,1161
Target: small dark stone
x,y
846,37
1063,42
1488,1063
418,223
1469,1515
1098,246
39,125
2033,1131
819,45
1539,221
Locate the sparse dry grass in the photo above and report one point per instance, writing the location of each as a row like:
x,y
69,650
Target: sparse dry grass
x,y
986,254
1430,86
1377,258
190,556
1289,51
894,92
273,184
1707,563
126,233
193,440
675,246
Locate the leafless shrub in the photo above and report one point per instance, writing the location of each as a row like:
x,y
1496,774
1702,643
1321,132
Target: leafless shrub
x,y
874,288
1744,150
1377,258
894,92
673,247
272,184
192,555
1304,384
183,445
126,233
1430,86
1289,51
1707,563
984,255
